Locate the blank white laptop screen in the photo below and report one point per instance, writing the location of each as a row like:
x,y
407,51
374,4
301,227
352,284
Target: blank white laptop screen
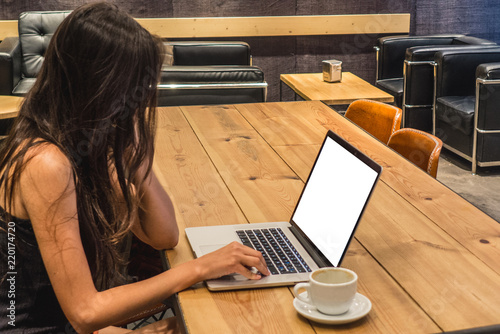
x,y
333,199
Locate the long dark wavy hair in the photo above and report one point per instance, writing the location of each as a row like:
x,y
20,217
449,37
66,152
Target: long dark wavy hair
x,y
95,99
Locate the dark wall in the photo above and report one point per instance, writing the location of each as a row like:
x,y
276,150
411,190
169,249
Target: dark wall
x,y
474,17
276,55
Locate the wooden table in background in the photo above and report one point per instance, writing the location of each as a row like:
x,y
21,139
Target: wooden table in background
x,y
9,106
311,87
427,259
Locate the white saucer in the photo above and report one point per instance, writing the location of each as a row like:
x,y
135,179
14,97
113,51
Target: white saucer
x,y
360,307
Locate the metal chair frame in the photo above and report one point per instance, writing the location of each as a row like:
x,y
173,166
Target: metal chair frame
x,y
473,157
404,107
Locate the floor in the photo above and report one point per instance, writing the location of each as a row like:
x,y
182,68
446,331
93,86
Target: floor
x,y
482,189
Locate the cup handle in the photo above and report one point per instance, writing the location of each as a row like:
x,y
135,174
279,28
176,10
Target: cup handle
x,y
299,296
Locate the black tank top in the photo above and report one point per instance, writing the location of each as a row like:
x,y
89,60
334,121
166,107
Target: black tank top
x,y
27,300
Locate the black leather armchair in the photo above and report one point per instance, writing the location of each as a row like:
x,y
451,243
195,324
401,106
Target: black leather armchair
x,y
21,57
467,96
210,72
194,72
404,69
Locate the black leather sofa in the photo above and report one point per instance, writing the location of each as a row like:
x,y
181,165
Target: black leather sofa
x,y
467,96
210,72
194,72
404,70
21,57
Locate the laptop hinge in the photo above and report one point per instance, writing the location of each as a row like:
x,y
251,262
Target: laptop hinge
x,y
320,260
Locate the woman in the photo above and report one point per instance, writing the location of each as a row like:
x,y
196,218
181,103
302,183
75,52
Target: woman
x,y
76,178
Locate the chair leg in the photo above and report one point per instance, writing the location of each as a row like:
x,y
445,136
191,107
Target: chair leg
x,y
153,317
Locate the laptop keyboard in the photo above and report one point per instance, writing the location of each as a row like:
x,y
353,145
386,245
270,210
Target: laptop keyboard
x,y
280,255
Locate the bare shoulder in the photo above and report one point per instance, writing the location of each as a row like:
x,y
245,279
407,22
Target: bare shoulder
x,y
47,155
47,170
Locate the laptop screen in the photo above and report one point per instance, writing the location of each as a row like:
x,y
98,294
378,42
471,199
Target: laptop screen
x,y
334,197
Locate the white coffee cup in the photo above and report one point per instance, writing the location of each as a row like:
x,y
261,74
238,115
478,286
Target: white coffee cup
x,y
330,290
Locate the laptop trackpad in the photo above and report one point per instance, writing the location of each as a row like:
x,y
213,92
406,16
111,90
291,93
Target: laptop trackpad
x,y
232,278
205,249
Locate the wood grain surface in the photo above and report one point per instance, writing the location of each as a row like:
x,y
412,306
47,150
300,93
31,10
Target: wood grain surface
x,y
9,106
262,26
310,86
416,250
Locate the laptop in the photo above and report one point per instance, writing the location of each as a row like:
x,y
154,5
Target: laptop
x,y
321,227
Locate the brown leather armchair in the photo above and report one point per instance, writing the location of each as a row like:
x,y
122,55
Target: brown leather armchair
x,y
377,118
419,147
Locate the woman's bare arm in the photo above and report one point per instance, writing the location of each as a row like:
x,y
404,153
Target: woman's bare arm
x,y
48,195
157,225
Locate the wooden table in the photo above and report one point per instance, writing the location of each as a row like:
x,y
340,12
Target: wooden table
x,y
9,106
427,259
311,87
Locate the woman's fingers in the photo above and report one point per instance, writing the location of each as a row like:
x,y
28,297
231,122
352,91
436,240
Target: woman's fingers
x,y
253,259
236,258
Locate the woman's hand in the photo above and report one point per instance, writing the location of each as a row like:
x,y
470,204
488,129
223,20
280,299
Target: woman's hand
x,y
233,258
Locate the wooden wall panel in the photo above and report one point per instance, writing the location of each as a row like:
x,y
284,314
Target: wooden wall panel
x,y
228,8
